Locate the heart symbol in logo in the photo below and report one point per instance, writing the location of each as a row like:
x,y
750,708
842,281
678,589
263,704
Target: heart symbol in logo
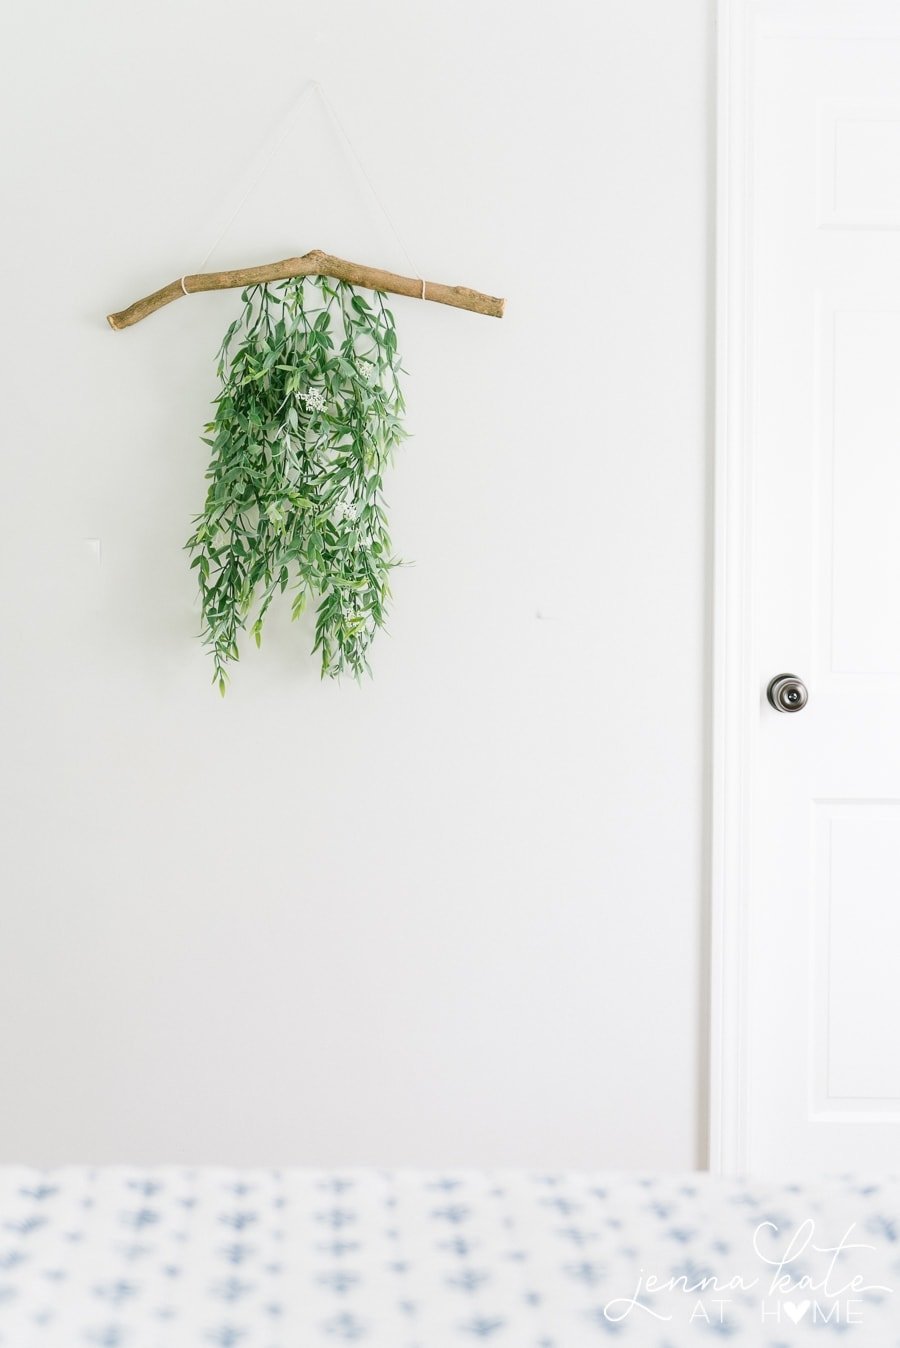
x,y
796,1312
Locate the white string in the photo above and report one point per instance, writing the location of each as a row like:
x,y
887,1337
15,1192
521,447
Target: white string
x,y
326,102
315,87
267,159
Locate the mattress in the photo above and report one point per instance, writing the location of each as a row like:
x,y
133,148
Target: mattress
x,y
185,1258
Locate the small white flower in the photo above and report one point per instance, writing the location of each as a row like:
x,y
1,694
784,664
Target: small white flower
x,y
314,399
344,511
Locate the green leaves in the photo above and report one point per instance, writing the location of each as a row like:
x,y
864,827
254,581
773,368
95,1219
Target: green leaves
x,y
308,416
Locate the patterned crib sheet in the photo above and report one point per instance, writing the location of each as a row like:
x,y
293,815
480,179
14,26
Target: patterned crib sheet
x,y
183,1258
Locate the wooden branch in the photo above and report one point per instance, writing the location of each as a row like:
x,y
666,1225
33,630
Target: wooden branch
x,y
315,263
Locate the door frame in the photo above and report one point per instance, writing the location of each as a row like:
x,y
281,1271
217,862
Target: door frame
x,y
734,697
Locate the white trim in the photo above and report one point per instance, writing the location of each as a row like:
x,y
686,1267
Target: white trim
x,y
735,698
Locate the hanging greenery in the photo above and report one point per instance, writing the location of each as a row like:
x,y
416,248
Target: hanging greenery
x,y
309,414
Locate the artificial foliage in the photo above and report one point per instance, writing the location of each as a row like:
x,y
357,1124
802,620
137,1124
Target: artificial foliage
x,y
309,413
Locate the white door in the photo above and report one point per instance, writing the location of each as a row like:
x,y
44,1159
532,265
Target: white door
x,y
806,887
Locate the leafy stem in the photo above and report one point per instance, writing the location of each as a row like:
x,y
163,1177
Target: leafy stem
x,y
308,416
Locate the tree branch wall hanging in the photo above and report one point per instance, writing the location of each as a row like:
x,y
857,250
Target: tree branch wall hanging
x,y
308,415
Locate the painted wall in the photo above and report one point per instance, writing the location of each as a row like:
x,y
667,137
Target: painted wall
x,y
453,916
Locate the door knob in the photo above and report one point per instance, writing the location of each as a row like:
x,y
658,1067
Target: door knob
x,y
787,693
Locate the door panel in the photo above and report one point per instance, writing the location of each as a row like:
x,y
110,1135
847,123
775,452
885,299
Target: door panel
x,y
859,391
814,1020
857,939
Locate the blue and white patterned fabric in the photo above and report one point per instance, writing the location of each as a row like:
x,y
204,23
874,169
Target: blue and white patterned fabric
x,y
177,1258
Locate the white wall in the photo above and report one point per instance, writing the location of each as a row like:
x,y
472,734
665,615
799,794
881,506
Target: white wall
x,y
453,916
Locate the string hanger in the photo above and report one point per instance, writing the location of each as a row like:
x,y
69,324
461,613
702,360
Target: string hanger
x,y
314,87
326,103
315,263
